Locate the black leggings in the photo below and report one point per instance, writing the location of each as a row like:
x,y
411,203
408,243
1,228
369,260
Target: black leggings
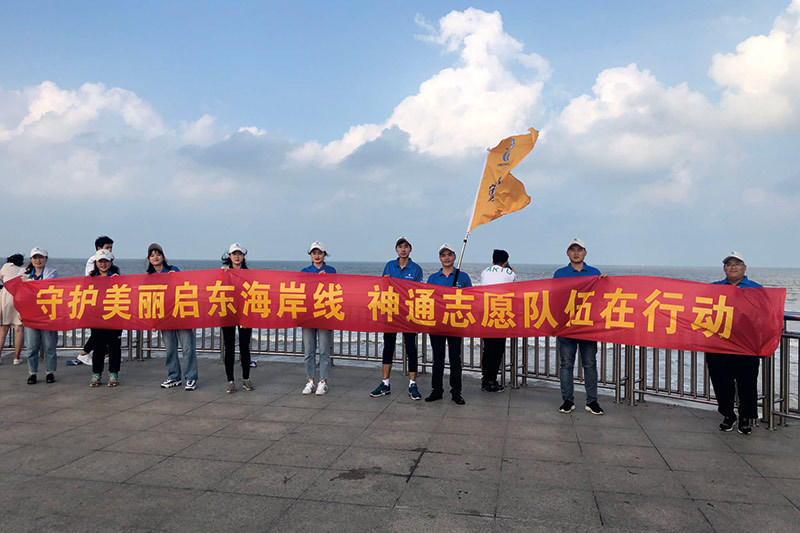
x,y
228,341
410,340
106,341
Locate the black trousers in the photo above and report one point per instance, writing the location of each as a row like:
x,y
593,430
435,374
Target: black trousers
x,y
229,353
410,340
730,373
106,341
493,351
454,351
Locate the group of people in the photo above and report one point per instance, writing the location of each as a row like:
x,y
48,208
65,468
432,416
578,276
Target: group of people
x,y
731,375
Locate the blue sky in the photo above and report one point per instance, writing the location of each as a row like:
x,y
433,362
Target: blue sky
x,y
668,129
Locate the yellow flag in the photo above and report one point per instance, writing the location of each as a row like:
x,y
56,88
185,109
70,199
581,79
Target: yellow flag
x,y
500,192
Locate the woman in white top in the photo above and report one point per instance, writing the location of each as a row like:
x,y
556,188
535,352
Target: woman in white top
x,y
8,313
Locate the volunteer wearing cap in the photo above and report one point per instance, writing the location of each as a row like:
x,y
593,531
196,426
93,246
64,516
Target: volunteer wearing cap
x,y
36,339
401,268
732,373
234,258
310,335
157,264
447,277
494,349
576,252
104,242
106,342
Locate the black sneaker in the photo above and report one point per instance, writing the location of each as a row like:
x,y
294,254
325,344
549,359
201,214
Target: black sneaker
x,y
433,396
594,408
50,378
566,407
727,423
497,387
381,390
744,426
458,399
32,379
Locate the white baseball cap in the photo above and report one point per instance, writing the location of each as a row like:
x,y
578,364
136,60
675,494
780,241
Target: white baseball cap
x,y
236,247
401,240
103,254
734,255
318,245
38,251
579,242
446,246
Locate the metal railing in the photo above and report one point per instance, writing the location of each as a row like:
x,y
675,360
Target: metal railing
x,y
631,373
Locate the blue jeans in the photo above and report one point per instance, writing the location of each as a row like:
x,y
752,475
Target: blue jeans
x,y
310,351
566,353
187,341
36,339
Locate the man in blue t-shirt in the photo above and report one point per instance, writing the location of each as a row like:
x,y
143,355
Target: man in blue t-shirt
x,y
732,373
401,268
567,347
447,276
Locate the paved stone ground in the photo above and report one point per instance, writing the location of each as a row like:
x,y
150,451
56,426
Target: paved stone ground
x,y
139,458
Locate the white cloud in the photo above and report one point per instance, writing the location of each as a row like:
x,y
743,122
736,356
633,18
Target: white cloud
x,y
469,106
253,130
201,131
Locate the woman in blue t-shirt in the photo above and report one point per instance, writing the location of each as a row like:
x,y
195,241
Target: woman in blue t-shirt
x,y
157,264
312,335
36,339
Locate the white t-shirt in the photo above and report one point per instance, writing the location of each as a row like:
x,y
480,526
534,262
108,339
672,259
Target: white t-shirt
x,y
495,274
90,265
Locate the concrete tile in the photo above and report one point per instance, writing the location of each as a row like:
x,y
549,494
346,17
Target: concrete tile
x,y
192,425
543,450
394,439
472,426
107,466
222,410
705,461
134,421
459,466
530,474
310,455
308,432
339,417
153,442
29,433
364,486
214,511
406,422
688,440
477,411
397,462
225,449
549,432
277,413
73,416
730,487
774,466
610,454
168,406
447,495
187,473
255,429
633,480
401,521
613,435
271,480
26,412
790,488
303,516
762,442
559,505
93,436
34,460
650,513
746,517
470,444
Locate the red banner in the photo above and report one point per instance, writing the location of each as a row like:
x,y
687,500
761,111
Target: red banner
x,y
636,310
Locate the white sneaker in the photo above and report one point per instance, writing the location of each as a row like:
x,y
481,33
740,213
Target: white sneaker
x,y
322,388
309,388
